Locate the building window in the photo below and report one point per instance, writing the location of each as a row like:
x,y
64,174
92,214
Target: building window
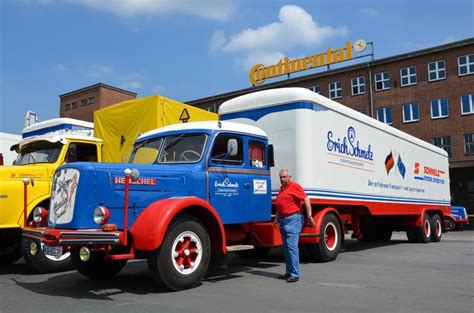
x,y
91,100
67,107
443,143
469,143
358,85
466,64
74,105
335,90
315,89
411,112
470,190
382,81
439,108
208,109
467,104
436,70
385,115
408,76
84,102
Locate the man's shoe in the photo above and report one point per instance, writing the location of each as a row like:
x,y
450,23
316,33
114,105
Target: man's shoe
x,y
284,276
292,279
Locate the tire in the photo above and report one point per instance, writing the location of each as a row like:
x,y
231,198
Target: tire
x,y
421,234
10,253
257,252
451,225
97,267
183,258
330,240
436,228
42,263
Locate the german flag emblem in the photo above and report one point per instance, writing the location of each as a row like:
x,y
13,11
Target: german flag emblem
x,y
389,162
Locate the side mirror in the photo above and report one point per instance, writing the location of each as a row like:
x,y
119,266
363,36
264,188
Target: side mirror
x,y
271,157
232,147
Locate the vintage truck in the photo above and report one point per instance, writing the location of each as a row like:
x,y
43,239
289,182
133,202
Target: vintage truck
x,y
191,193
49,144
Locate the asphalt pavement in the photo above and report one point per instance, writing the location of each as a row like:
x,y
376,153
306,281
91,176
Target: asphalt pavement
x,y
386,277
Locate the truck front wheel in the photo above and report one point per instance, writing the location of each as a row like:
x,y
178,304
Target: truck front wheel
x,y
184,256
329,240
97,267
41,262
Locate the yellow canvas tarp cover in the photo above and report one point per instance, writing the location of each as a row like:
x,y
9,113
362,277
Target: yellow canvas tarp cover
x,y
120,124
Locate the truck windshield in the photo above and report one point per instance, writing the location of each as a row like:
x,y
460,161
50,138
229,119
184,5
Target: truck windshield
x,y
39,152
184,148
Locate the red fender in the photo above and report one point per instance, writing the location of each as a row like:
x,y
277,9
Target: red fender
x,y
318,218
150,227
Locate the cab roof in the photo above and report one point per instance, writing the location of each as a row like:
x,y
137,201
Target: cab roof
x,y
211,126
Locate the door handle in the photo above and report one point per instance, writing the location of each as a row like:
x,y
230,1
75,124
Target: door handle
x,y
246,185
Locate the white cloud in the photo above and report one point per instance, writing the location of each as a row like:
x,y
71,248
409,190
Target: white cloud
x,y
158,89
60,68
295,28
98,71
369,12
260,58
135,85
219,10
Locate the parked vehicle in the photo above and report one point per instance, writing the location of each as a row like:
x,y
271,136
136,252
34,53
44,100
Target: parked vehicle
x,y
456,219
194,192
49,144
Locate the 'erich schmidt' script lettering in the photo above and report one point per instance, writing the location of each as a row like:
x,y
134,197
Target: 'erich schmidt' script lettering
x,y
349,146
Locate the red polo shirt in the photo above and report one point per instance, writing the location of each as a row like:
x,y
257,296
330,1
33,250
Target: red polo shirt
x,y
289,199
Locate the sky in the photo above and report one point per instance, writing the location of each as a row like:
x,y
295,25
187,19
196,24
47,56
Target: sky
x,y
187,50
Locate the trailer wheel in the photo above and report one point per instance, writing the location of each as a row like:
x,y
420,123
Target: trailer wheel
x,y
184,256
43,263
436,228
450,224
421,234
10,253
329,240
97,267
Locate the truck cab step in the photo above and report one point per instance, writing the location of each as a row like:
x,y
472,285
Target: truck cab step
x,y
239,248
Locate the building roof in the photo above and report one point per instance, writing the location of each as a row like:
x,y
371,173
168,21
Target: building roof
x,y
285,82
98,86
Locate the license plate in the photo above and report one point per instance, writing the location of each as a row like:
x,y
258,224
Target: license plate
x,y
56,251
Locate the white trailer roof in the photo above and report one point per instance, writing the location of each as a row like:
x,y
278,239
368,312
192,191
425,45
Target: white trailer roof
x,y
57,122
278,96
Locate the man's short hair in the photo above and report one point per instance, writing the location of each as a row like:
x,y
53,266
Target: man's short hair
x,y
286,170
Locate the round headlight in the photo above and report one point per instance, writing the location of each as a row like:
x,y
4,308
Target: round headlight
x,y
101,215
40,215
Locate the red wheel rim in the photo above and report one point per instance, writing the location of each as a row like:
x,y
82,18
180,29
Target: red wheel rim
x,y
330,236
186,252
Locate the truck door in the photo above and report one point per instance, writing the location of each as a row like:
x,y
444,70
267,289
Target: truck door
x,y
229,182
81,152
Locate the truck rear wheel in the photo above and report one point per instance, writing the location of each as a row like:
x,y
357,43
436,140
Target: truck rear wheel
x,y
329,240
436,228
184,256
42,263
97,267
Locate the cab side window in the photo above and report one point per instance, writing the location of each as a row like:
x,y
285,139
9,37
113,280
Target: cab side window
x,y
256,154
221,156
81,152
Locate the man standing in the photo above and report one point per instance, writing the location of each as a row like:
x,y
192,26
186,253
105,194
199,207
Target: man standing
x,y
290,218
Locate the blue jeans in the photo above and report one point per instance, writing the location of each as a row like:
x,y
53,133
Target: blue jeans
x,y
290,229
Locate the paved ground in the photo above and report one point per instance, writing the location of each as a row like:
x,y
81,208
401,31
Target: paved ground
x,y
393,277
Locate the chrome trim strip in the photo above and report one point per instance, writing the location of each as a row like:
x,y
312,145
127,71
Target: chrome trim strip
x,y
89,234
89,241
308,235
226,170
33,231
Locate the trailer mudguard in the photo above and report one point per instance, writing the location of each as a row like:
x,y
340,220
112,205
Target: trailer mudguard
x,y
318,218
150,227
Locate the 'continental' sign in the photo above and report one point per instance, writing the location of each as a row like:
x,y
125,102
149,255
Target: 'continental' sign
x,y
259,72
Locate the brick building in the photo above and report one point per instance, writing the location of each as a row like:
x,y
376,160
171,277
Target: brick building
x,y
82,103
427,93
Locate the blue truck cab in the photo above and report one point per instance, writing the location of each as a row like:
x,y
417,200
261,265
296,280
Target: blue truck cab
x,y
191,190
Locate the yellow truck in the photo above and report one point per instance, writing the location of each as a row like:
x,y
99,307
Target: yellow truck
x,y
49,144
